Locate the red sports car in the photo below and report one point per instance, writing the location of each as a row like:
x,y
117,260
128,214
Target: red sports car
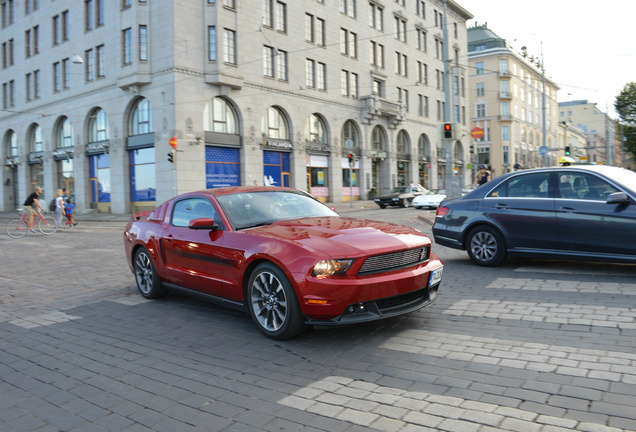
x,y
283,256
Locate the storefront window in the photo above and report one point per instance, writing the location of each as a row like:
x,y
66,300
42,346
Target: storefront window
x,y
143,181
274,124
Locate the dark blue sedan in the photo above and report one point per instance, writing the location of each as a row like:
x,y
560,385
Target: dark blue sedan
x,y
574,212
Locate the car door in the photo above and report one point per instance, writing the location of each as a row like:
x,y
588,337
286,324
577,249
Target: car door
x,y
194,259
524,211
588,224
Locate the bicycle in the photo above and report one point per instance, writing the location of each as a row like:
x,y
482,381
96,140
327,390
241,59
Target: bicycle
x,y
17,228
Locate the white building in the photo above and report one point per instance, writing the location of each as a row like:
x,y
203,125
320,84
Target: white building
x,y
268,91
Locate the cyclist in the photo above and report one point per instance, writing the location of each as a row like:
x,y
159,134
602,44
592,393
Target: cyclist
x,y
32,204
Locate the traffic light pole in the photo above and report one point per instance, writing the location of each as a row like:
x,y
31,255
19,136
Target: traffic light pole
x,y
453,190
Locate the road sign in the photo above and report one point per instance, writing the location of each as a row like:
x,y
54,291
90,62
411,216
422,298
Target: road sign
x,y
173,142
543,150
349,144
477,132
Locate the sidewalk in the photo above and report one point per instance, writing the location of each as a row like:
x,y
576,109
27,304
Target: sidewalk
x,y
340,207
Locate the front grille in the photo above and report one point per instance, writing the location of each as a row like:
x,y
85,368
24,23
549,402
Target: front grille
x,y
395,260
385,305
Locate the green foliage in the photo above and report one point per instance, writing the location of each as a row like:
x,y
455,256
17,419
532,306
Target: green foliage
x,y
626,107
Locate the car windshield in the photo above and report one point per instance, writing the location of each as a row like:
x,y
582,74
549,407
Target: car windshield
x,y
252,209
401,189
437,192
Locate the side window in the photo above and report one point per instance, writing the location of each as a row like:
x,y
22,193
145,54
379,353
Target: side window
x,y
191,208
524,186
590,187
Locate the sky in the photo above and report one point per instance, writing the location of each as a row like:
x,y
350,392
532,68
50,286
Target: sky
x,y
589,47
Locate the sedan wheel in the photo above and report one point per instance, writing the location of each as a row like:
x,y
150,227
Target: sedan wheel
x,y
148,282
273,304
486,246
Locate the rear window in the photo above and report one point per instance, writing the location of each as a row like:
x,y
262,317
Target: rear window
x,y
535,185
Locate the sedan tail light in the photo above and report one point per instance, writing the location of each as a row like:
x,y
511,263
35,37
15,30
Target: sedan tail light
x,y
441,212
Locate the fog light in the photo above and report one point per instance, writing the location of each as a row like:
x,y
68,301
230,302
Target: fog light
x,y
351,309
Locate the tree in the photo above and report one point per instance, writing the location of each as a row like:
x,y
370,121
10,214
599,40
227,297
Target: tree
x,y
626,107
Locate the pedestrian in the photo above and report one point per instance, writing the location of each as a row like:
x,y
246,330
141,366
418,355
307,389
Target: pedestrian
x,y
517,166
68,208
483,176
32,205
59,208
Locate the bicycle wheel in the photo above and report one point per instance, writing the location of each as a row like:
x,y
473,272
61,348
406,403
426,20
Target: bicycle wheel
x,y
46,225
17,228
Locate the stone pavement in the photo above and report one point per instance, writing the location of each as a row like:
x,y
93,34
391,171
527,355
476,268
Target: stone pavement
x,y
529,346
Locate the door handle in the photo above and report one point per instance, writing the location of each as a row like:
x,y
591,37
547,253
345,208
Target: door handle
x,y
567,210
502,206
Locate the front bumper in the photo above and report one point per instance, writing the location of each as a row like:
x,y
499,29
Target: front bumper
x,y
425,290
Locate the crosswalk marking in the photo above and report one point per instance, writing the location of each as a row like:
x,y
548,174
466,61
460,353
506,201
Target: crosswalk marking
x,y
44,319
556,313
613,366
390,409
563,286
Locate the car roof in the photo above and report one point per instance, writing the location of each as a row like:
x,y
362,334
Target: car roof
x,y
243,189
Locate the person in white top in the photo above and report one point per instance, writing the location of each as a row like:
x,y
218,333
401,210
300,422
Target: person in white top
x,y
59,208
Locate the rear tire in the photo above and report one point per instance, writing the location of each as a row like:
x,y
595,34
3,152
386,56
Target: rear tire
x,y
272,303
17,228
148,282
485,246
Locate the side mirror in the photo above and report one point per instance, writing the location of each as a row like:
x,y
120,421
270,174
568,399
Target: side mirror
x,y
203,223
618,198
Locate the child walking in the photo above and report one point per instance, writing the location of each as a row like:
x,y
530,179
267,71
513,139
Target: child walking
x,y
69,212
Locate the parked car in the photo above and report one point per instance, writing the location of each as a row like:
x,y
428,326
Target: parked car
x,y
281,256
575,212
400,196
431,199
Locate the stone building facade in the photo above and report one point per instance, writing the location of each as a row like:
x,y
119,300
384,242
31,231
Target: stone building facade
x,y
270,91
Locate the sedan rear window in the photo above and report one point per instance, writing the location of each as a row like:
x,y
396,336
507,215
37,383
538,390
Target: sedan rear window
x,y
535,185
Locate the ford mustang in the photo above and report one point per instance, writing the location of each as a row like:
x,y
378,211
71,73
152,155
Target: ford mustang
x,y
283,257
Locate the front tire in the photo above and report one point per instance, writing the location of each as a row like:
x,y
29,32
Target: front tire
x,y
486,247
148,282
47,225
272,303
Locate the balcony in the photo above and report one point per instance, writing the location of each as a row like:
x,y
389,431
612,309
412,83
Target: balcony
x,y
505,74
505,95
374,106
505,117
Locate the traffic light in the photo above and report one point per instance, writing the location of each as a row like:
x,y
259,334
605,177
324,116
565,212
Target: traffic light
x,y
472,149
567,150
448,130
171,157
351,159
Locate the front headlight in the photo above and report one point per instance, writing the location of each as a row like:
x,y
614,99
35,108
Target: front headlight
x,y
332,267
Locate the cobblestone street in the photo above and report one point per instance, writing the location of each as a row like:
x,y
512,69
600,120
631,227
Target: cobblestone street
x,y
528,346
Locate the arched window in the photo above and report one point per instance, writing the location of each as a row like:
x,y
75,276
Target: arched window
x,y
220,117
98,126
403,142
11,144
65,133
423,146
458,154
142,121
274,124
315,130
350,131
378,139
36,144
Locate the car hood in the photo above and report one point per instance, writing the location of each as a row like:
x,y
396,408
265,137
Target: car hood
x,y
394,195
343,237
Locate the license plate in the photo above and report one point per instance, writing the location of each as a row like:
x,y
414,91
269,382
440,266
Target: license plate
x,y
436,276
